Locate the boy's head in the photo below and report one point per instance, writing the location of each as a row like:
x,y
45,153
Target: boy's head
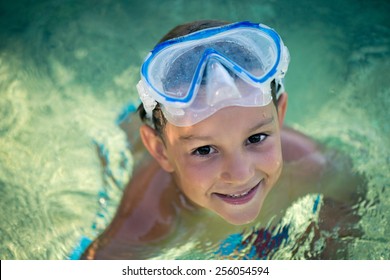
x,y
208,95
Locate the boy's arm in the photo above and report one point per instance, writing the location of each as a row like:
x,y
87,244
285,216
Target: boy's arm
x,y
145,214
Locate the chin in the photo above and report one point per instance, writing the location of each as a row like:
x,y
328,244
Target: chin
x,y
240,222
241,218
238,215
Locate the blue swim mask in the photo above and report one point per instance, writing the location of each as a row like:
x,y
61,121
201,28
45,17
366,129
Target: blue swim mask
x,y
194,76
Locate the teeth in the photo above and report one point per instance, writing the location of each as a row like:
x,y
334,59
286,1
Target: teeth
x,y
237,195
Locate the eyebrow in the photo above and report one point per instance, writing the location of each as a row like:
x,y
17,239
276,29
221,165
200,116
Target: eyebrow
x,y
264,122
259,125
192,137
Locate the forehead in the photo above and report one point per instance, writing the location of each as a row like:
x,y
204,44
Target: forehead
x,y
229,120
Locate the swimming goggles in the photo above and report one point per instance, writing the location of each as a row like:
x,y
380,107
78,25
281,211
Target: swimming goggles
x,y
194,76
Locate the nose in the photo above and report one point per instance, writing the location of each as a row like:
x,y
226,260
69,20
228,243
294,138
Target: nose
x,y
237,168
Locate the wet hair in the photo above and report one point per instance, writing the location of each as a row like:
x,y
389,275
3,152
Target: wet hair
x,y
158,119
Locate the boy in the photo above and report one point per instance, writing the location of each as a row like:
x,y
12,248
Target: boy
x,y
213,104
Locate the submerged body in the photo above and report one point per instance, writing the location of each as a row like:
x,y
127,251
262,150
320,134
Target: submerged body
x,y
157,207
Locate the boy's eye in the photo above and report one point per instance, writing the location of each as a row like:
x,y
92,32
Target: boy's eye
x,y
203,151
257,138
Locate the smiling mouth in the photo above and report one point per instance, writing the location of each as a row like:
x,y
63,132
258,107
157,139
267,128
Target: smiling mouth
x,y
240,198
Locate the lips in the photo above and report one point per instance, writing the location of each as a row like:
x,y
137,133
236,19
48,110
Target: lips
x,y
239,198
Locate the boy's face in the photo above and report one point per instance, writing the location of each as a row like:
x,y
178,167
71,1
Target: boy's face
x,y
229,162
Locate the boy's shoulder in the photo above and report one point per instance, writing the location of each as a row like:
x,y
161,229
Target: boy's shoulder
x,y
296,145
304,162
313,167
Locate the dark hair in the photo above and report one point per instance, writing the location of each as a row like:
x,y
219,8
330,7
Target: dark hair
x,y
158,118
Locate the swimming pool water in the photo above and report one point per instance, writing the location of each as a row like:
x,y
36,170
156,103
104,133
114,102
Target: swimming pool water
x,y
68,71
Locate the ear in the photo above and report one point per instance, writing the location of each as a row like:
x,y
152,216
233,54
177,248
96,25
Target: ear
x,y
156,147
282,107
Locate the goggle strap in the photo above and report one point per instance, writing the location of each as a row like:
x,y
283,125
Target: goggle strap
x,y
148,101
279,87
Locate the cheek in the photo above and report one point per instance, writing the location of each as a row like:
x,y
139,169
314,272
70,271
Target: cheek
x,y
195,170
195,179
271,160
276,160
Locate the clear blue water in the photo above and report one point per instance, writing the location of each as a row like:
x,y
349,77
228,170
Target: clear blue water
x,y
68,71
